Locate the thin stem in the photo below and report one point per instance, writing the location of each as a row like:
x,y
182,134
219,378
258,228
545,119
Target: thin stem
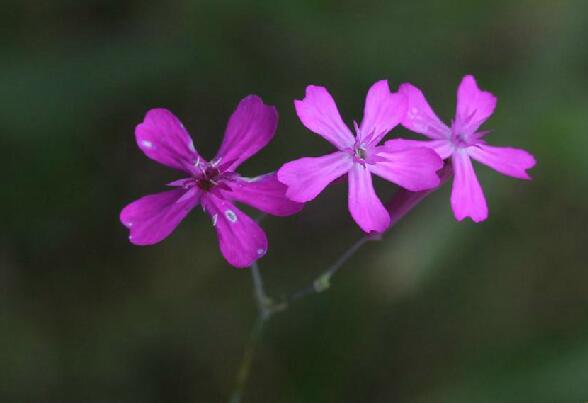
x,y
323,281
263,314
263,302
265,309
400,205
245,366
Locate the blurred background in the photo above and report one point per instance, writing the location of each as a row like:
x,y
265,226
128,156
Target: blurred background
x,y
437,311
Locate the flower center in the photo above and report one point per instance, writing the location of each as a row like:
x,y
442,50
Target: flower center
x,y
209,179
209,175
460,139
360,153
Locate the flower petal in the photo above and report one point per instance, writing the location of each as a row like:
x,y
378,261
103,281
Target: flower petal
x,y
152,218
241,240
364,205
307,177
163,138
251,126
467,197
419,117
319,113
265,193
474,106
508,161
414,169
443,148
383,111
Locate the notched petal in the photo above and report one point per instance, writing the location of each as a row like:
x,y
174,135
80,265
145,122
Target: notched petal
x,y
264,193
382,112
250,128
364,205
307,177
163,138
474,106
467,197
508,161
319,113
414,169
241,239
152,218
419,116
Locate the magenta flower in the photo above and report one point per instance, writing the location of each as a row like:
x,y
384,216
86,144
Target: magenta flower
x,y
215,184
358,156
463,141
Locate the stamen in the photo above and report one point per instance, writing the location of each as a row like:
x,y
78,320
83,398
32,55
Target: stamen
x,y
356,127
214,163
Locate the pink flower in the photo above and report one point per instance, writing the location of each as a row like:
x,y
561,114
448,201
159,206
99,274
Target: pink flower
x,y
463,141
215,184
358,156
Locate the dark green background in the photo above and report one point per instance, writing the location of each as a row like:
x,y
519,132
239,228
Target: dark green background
x,y
438,311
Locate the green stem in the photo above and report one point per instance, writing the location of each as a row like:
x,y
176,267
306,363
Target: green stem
x,y
245,366
402,203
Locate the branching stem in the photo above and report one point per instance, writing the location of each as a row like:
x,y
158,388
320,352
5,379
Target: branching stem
x,y
402,203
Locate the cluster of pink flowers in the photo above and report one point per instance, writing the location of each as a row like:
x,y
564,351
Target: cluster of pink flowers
x,y
410,164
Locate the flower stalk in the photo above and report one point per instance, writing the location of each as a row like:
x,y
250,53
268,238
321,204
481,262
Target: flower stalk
x,y
401,204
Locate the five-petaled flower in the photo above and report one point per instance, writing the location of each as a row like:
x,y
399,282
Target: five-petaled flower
x,y
215,184
463,141
359,156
